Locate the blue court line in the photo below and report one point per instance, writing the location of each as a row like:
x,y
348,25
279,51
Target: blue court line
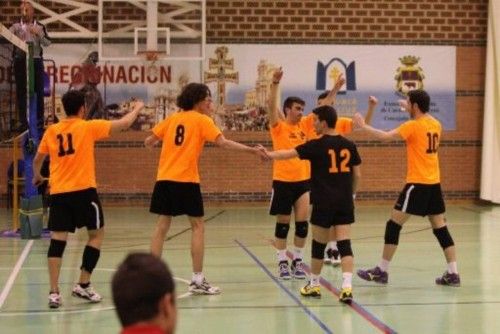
x,y
354,305
288,292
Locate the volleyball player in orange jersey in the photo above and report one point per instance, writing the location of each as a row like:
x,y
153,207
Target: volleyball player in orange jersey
x,y
422,194
291,177
177,189
74,202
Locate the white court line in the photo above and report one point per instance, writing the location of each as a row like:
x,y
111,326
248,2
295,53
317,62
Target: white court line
x,y
15,271
17,268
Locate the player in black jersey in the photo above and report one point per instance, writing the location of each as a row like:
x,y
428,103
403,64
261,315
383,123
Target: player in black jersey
x,y
335,173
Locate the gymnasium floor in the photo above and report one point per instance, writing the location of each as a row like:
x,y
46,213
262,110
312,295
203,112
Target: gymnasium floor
x,y
241,261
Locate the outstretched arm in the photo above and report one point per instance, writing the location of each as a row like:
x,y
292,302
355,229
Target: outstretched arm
x,y
273,112
379,134
283,154
225,143
332,95
126,121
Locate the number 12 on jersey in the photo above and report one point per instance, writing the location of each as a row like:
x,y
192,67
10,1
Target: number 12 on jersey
x,y
345,156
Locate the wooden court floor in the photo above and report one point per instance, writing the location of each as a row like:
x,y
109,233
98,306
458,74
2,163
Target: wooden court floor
x,y
241,261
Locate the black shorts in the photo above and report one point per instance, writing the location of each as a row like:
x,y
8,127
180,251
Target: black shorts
x,y
327,217
172,198
75,209
421,199
285,194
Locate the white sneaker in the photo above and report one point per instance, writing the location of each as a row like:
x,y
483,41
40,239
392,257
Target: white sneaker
x,y
55,300
332,256
203,289
88,293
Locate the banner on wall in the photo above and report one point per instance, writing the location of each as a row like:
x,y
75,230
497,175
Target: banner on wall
x,y
239,77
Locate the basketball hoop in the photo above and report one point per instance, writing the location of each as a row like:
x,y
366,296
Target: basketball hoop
x,y
151,58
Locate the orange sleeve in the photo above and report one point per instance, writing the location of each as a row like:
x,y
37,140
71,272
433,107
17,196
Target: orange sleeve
x,y
307,124
344,125
100,128
276,129
406,129
210,130
43,147
159,129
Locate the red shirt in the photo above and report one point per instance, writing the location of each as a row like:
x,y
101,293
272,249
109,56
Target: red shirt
x,y
142,329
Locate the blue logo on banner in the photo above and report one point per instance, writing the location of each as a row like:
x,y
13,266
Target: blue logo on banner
x,y
332,70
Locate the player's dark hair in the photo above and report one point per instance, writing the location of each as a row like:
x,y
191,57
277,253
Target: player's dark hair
x,y
191,95
289,101
322,95
138,285
72,101
421,98
327,114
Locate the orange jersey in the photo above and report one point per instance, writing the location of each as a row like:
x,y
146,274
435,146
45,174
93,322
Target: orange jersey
x,y
422,138
184,134
287,136
70,145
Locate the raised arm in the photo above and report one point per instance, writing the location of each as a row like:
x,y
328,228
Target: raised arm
x,y
332,95
379,134
126,121
372,103
273,108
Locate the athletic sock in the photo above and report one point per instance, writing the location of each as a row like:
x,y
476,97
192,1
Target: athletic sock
x,y
384,265
346,280
282,255
452,267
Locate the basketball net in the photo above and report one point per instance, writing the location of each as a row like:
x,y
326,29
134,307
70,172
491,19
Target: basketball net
x,y
151,58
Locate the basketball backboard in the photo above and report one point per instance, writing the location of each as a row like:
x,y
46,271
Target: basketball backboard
x,y
175,30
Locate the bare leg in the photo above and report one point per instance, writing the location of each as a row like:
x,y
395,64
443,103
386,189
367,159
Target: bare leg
x,y
159,234
301,210
197,243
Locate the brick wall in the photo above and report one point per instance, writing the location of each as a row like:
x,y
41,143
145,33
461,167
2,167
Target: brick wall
x,y
126,171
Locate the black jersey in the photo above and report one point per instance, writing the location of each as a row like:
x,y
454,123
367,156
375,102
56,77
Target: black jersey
x,y
332,159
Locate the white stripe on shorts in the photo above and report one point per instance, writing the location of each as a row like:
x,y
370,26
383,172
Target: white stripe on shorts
x,y
272,196
407,198
97,218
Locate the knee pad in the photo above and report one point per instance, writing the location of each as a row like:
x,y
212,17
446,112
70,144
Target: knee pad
x,y
56,248
444,237
281,231
317,250
90,258
392,230
301,229
344,247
